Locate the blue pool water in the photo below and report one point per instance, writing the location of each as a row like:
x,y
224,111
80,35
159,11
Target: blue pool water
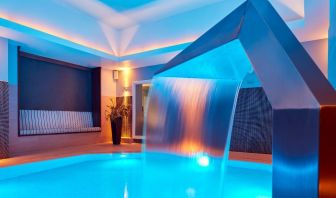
x,y
144,175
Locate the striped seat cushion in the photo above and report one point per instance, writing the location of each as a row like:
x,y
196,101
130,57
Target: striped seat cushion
x,y
34,122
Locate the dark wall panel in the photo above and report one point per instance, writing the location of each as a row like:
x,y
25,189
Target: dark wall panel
x,y
96,96
252,127
45,85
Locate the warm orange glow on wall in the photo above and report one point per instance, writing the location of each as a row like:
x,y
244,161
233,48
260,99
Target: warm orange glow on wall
x,y
125,82
126,93
126,72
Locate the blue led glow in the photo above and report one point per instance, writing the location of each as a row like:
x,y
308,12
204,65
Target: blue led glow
x,y
122,5
226,62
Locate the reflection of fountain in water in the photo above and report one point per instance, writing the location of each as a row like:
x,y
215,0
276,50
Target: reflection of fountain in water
x,y
190,116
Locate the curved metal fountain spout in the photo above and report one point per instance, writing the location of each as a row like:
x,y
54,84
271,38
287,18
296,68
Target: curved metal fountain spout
x,y
190,116
191,109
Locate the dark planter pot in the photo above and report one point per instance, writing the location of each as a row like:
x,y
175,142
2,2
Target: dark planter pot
x,y
116,125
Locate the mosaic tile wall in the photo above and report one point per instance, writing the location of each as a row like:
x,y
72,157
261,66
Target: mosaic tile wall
x,y
4,123
252,127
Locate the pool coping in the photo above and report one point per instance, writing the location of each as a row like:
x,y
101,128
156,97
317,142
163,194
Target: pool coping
x,y
23,158
14,171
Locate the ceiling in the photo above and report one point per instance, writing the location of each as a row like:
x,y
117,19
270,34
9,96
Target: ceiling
x,y
119,33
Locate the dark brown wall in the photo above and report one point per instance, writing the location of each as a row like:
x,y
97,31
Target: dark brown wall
x,y
96,96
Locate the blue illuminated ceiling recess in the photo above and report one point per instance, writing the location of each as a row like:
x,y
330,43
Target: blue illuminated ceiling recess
x,y
124,5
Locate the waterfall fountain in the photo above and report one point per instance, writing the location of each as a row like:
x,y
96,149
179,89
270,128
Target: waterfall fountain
x,y
189,119
190,115
302,99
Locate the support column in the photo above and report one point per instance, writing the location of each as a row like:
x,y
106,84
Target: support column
x,y
13,96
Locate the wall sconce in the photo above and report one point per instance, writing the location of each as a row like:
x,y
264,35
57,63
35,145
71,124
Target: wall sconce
x,y
126,92
115,74
126,89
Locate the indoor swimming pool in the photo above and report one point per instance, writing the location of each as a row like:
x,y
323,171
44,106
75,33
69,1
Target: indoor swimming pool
x,y
148,175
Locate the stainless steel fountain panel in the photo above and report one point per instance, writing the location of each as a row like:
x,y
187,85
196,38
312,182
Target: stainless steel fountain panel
x,y
303,101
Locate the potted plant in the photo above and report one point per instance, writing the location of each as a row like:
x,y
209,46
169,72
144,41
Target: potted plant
x,y
116,113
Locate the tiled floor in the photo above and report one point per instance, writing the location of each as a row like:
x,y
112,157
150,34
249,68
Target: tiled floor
x,y
70,151
251,157
109,148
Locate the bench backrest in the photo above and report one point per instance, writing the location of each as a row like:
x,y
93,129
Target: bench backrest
x,y
41,119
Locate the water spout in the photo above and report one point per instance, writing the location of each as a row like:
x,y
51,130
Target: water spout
x,y
189,116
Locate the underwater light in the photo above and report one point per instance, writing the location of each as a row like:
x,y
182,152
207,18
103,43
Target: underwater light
x,y
123,155
203,160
